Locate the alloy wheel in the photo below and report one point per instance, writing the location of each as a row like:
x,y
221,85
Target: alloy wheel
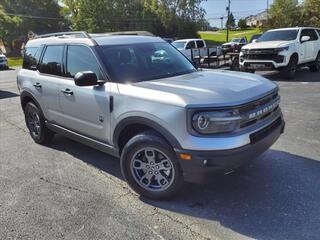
x,y
152,169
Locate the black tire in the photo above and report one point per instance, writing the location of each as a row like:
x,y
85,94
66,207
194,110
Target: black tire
x,y
139,146
289,72
36,124
316,66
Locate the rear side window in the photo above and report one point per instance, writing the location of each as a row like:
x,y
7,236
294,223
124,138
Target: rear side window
x,y
31,58
52,60
200,44
81,58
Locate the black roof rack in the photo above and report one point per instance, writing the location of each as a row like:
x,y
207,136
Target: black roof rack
x,y
81,34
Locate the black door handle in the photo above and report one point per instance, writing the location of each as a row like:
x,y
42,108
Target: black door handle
x,y
37,85
67,91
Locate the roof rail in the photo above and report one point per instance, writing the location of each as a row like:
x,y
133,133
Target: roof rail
x,y
80,34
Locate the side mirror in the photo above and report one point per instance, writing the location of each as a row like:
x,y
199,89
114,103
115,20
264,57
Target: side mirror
x,y
86,78
305,39
254,40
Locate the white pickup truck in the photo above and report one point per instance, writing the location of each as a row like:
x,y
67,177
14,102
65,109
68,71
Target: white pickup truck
x,y
283,49
196,48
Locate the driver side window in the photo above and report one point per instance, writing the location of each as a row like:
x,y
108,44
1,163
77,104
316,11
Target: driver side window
x,y
191,45
80,58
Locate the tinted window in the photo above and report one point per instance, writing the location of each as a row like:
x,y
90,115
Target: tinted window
x,y
52,60
311,33
80,58
190,45
30,58
145,61
200,44
280,35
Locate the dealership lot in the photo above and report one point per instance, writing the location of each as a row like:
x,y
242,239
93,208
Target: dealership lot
x,y
68,191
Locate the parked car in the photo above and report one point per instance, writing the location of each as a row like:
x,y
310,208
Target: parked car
x,y
195,47
234,45
284,50
3,61
138,98
254,38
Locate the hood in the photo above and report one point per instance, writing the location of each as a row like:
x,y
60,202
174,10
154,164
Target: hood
x,y
207,88
229,43
2,55
267,44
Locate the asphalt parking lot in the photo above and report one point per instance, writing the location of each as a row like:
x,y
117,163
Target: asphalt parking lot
x,y
68,191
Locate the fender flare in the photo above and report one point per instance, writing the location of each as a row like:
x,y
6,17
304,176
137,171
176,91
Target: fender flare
x,y
148,123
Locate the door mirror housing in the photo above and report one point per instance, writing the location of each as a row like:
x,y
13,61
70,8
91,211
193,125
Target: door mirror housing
x,y
305,39
86,78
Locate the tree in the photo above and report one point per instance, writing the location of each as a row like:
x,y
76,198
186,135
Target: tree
x,y
174,18
7,24
311,14
231,22
242,24
285,13
40,16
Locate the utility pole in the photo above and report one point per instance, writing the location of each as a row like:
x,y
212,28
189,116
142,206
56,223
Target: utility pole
x,y
221,22
267,10
228,19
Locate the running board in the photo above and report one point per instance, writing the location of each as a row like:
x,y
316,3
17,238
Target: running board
x,y
103,147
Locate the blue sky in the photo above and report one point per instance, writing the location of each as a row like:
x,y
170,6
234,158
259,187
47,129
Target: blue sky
x,y
240,9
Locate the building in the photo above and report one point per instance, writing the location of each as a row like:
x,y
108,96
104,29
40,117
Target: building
x,y
258,20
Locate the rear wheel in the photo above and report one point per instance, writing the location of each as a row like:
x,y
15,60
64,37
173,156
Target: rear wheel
x,y
36,124
289,71
316,66
150,166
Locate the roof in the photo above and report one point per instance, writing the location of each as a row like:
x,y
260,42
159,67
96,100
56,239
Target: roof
x,y
189,39
291,28
94,39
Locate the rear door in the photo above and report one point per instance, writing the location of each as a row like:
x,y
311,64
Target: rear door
x,y
47,82
85,109
308,48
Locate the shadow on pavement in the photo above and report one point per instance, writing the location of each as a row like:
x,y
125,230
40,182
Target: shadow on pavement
x,y
275,197
6,94
302,75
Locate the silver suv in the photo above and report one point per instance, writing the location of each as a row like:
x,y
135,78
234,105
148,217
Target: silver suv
x,y
140,99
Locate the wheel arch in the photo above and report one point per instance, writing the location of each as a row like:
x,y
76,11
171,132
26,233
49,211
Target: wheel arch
x,y
26,97
131,126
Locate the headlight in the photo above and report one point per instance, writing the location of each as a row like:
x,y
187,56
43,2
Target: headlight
x,y
241,53
281,49
216,122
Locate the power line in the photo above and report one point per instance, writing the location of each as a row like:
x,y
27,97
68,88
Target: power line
x,y
32,16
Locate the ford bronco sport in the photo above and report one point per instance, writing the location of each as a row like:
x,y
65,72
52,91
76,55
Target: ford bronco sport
x,y
140,99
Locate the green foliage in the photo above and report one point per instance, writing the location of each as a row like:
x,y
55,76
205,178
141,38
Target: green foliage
x,y
311,13
7,23
285,13
242,24
162,17
231,22
40,16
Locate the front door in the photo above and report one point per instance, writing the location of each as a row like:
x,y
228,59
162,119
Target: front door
x,y
85,109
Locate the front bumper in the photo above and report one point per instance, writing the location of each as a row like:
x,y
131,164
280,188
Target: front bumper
x,y
3,64
208,162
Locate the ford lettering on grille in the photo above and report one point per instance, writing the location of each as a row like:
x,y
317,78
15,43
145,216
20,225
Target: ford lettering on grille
x,y
264,110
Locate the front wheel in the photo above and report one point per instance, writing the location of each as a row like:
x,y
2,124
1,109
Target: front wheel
x,y
150,167
289,71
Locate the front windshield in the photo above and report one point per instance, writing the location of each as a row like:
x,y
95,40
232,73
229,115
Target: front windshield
x,y
236,40
144,61
179,45
280,35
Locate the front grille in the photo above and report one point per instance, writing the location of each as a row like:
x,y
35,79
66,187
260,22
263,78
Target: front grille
x,y
262,54
259,110
257,136
272,57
